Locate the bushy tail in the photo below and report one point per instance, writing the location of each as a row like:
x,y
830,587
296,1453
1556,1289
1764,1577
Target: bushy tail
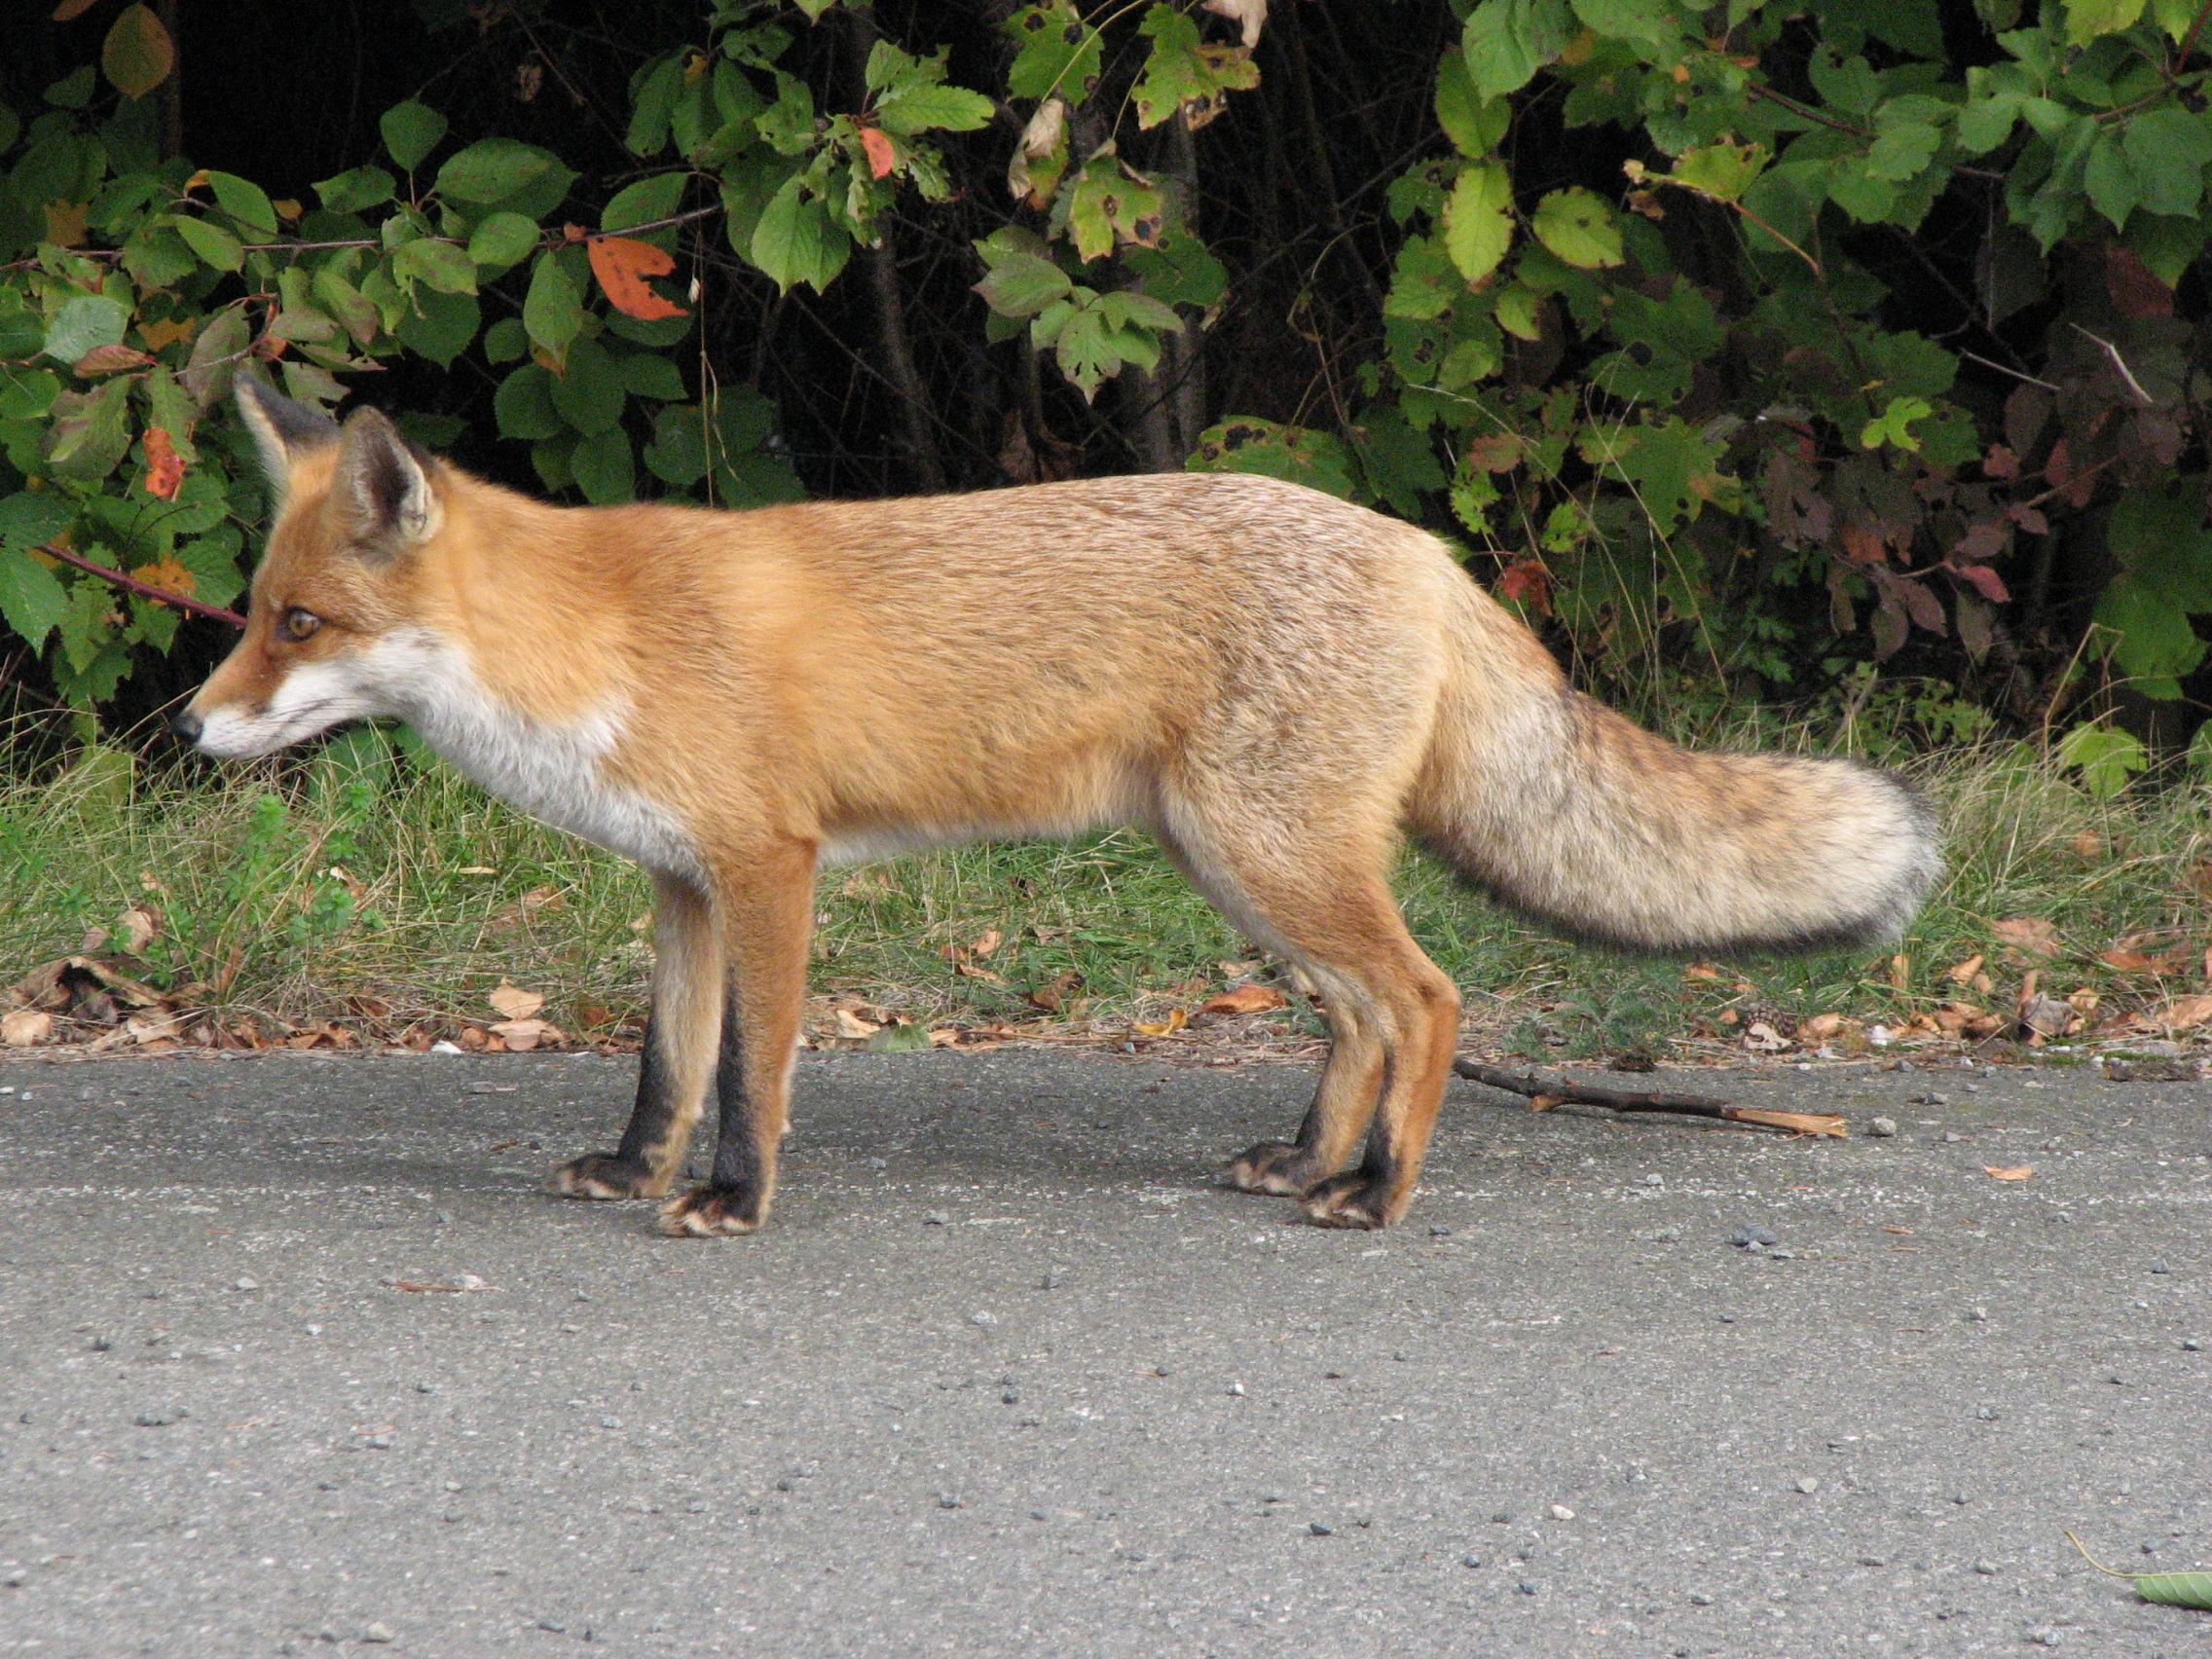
x,y
1563,808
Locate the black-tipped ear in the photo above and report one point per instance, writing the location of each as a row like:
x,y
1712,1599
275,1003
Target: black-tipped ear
x,y
384,483
282,430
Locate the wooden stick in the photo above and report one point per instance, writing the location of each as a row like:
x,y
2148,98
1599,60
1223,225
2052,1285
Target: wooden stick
x,y
1544,1094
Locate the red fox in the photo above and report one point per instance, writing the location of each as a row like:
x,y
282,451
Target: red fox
x,y
1276,683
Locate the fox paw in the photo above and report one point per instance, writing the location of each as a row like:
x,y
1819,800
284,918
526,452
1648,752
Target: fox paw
x,y
604,1175
1275,1167
711,1212
1353,1200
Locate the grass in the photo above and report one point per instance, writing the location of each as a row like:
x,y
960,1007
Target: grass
x,y
379,888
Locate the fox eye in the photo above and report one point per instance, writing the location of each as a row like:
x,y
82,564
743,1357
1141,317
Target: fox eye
x,y
297,624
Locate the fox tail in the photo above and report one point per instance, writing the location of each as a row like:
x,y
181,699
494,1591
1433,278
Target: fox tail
x,y
1566,810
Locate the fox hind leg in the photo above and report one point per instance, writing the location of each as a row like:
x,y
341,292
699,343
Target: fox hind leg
x,y
681,1038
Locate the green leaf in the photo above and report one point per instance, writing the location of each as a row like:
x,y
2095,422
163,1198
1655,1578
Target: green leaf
x,y
2087,20
1059,52
1020,284
411,130
648,373
1474,125
641,203
1724,172
245,201
1894,425
2105,758
1478,220
503,239
1903,150
1179,271
2110,180
552,309
440,325
1983,124
137,55
523,405
1296,454
796,241
2177,1589
603,469
85,323
1180,72
31,518
588,391
355,189
923,109
491,169
1105,205
213,244
1653,27
31,602
437,263
677,450
91,432
506,341
1507,41
2169,149
1578,226
653,96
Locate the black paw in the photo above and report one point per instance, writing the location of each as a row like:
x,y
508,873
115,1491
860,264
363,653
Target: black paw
x,y
1354,1200
1275,1167
712,1212
604,1175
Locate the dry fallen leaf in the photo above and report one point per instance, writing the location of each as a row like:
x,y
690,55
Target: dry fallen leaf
x,y
523,1035
2089,844
1762,1038
26,1029
1175,1022
2021,1173
968,969
851,1024
2030,934
515,1002
1803,1122
2129,961
1963,972
1701,971
1053,997
2181,1012
1247,999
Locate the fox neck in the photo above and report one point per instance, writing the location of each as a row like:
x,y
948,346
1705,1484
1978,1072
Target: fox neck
x,y
549,768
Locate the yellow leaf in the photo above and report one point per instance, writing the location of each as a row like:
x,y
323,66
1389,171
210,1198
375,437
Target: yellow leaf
x,y
137,54
2021,1173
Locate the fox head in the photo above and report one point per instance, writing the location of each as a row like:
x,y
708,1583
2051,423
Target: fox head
x,y
335,592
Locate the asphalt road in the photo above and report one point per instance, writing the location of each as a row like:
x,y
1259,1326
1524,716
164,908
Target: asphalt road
x,y
1008,1375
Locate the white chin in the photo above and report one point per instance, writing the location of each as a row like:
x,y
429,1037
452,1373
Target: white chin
x,y
249,740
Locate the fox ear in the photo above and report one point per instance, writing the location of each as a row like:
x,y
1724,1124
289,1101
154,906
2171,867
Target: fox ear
x,y
385,485
282,430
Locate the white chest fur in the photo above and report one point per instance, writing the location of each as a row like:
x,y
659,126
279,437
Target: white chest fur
x,y
548,769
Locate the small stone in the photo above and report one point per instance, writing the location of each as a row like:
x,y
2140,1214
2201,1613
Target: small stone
x,y
1987,1413
1668,1236
1809,1485
1931,1099
983,1316
1560,1512
1526,1588
1987,1569
248,1284
1882,1129
1873,1561
2190,1344
1746,1237
453,1486
1320,1528
380,1443
610,1423
1655,1180
1699,1599
312,1330
425,1388
1237,1391
1470,1561
936,1218
1051,1280
2048,1637
1437,1230
2161,1267
1503,1517
946,1500
161,1418
378,1633
1951,1137
1400,1356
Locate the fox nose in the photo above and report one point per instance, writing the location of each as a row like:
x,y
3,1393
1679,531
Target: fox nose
x,y
188,725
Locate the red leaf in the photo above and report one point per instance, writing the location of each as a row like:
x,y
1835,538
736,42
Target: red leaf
x,y
882,153
1982,542
1527,582
622,264
2001,463
1984,581
164,467
2136,289
2029,519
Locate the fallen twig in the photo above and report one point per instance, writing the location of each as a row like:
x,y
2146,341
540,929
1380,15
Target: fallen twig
x,y
1543,1093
